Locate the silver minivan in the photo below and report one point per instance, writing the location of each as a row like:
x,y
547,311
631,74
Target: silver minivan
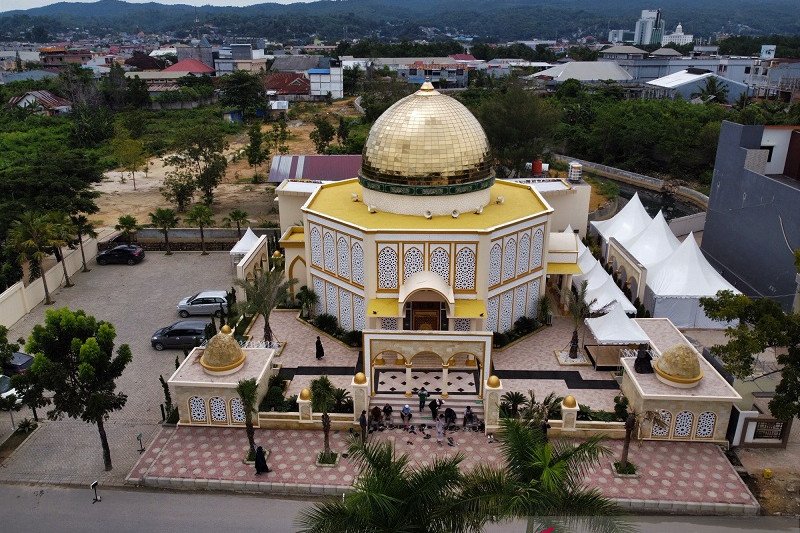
x,y
203,303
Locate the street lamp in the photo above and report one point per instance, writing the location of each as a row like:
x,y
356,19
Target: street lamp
x,y
93,486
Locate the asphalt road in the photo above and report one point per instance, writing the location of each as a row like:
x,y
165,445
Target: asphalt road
x,y
47,509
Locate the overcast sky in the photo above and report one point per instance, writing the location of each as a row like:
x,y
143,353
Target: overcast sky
x,y
8,5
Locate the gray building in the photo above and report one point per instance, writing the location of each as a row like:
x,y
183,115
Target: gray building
x,y
647,69
753,220
200,50
649,28
689,83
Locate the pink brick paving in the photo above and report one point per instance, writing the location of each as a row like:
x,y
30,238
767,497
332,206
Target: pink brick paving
x,y
668,471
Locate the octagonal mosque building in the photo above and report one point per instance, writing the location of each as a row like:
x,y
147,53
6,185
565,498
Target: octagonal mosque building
x,y
425,251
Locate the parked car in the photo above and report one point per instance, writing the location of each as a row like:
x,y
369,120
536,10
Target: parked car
x,y
127,254
19,363
203,303
6,389
181,334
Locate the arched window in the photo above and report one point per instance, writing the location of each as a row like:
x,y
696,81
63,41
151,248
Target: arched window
x,y
519,302
491,313
330,252
359,318
538,249
219,413
316,247
524,254
197,409
358,264
509,259
387,268
319,289
506,309
237,411
345,313
661,432
465,269
412,263
533,298
440,263
344,258
705,425
494,264
683,424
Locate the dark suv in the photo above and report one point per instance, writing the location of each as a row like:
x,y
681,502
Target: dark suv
x,y
181,334
128,254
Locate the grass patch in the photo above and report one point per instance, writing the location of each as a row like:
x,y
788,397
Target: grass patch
x,y
629,470
606,188
251,456
327,458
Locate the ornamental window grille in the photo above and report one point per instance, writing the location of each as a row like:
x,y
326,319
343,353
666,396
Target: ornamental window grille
x,y
683,424
237,411
524,254
344,258
197,409
387,268
330,252
659,431
705,425
465,269
509,259
219,413
491,313
494,264
316,247
538,248
358,263
440,263
412,263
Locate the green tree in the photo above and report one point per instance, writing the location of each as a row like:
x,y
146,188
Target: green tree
x,y
63,233
322,134
178,188
238,217
391,495
7,349
241,90
164,219
83,227
74,358
515,400
138,96
247,389
255,150
343,131
199,158
202,217
307,299
762,324
322,401
263,293
579,308
278,137
32,237
114,87
713,91
130,154
30,392
128,225
540,481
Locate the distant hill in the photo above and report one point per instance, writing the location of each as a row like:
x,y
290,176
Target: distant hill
x,y
407,19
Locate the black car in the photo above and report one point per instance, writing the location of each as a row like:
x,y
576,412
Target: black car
x,y
126,254
19,363
181,334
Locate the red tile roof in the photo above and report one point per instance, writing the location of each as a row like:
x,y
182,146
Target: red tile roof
x,y
190,65
45,98
287,83
462,57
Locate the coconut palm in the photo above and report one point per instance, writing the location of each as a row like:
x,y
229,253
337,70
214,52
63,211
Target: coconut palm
x,y
579,308
63,231
201,216
164,219
128,225
263,294
308,299
713,91
247,390
323,396
238,217
632,424
540,481
83,227
32,237
392,495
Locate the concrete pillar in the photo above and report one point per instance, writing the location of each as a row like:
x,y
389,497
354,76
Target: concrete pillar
x,y
409,392
445,368
569,414
360,391
492,392
304,408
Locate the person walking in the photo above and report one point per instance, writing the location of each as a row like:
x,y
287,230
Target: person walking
x,y
440,425
362,421
261,461
423,398
320,349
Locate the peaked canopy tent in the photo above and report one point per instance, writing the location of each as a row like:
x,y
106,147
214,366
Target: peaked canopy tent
x,y
625,225
606,294
654,244
615,327
243,247
676,284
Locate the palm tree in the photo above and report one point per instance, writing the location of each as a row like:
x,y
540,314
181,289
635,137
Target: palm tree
x,y
579,308
539,479
322,398
63,231
263,293
32,237
128,225
742,102
632,423
308,299
391,495
514,400
164,219
238,217
534,412
713,91
83,227
247,390
201,216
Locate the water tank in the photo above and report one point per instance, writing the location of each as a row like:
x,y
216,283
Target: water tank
x,y
536,167
575,172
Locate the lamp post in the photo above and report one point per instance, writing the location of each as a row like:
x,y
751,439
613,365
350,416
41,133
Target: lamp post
x,y
93,486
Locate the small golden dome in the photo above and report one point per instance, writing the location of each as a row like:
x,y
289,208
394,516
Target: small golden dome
x,y
222,354
305,394
569,401
277,254
493,382
360,378
679,366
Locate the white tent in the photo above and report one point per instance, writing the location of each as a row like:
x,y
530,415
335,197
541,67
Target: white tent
x,y
586,261
606,294
628,223
654,244
616,328
243,247
676,284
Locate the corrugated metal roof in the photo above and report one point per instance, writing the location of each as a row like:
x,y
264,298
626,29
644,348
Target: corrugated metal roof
x,y
299,63
190,65
45,98
314,167
686,76
586,71
623,49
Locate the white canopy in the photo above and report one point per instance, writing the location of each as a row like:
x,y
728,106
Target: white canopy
x,y
245,244
654,244
616,328
686,273
586,260
606,294
628,223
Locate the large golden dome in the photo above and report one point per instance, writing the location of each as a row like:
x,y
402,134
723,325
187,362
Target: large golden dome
x,y
222,354
426,144
678,366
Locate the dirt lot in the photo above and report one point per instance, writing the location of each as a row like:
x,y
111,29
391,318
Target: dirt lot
x,y
118,196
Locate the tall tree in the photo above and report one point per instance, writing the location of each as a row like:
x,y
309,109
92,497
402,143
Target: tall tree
x,y
762,325
32,237
130,154
64,234
322,400
263,294
579,308
255,149
138,96
164,219
83,227
322,134
242,90
278,137
247,390
178,188
114,87
202,217
199,158
238,217
75,359
128,225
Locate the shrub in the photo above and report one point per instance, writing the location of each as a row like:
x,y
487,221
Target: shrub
x,y
629,469
353,338
26,425
621,407
327,323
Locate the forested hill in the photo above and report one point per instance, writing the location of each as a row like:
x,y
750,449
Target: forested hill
x,y
405,19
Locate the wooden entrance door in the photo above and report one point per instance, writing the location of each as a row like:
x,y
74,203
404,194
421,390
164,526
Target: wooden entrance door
x,y
425,319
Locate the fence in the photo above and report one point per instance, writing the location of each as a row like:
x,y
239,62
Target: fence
x,y
18,300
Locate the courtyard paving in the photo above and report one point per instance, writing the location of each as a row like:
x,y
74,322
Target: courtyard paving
x,y
137,300
684,472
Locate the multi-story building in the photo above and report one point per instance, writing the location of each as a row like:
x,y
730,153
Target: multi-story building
x,y
753,222
200,50
678,37
646,69
649,28
327,79
442,75
621,36
59,56
240,57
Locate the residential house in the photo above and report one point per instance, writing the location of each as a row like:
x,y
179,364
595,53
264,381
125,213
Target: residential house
x,y
287,86
441,75
60,56
42,103
199,50
241,57
327,81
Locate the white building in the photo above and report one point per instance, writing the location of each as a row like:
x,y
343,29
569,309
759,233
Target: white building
x,y
649,28
678,37
327,80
